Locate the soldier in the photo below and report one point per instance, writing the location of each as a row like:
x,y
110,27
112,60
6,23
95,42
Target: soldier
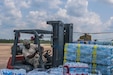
x,y
30,53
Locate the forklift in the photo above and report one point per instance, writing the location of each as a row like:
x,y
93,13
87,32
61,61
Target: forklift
x,y
60,34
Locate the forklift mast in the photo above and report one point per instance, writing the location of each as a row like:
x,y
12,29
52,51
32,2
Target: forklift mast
x,y
68,31
62,33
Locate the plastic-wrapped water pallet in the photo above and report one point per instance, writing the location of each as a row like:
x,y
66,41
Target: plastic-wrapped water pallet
x,y
96,55
76,68
38,71
51,71
12,72
95,42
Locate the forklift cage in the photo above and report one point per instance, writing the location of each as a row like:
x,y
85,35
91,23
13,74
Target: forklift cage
x,y
36,32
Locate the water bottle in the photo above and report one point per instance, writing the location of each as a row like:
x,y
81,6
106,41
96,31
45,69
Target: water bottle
x,y
6,72
20,72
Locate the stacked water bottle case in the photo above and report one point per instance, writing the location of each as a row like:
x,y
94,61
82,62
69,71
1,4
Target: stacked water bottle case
x,y
98,57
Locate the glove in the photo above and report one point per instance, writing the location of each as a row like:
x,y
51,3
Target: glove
x,y
37,50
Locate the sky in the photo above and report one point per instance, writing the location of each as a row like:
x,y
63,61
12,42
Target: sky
x,y
87,16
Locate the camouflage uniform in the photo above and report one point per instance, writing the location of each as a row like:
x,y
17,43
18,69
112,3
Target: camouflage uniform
x,y
26,52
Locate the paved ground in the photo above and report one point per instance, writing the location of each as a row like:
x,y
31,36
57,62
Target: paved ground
x,y
5,53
